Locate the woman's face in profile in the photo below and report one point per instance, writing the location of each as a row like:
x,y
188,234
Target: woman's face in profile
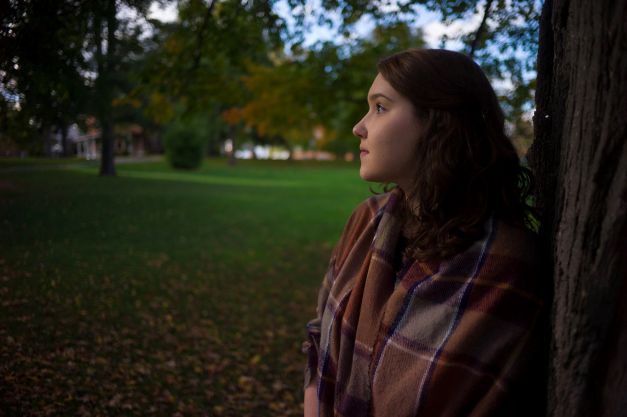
x,y
388,134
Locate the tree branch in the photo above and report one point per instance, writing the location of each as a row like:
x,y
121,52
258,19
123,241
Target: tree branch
x,y
198,50
486,15
201,38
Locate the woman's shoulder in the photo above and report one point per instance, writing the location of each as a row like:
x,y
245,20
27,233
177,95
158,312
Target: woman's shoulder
x,y
506,252
516,241
510,240
373,204
511,254
367,210
361,219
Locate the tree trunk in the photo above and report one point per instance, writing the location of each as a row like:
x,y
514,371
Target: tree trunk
x,y
580,158
48,142
233,134
290,149
107,162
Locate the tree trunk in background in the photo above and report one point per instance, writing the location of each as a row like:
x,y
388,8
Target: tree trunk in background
x,y
233,134
107,156
48,142
105,75
580,157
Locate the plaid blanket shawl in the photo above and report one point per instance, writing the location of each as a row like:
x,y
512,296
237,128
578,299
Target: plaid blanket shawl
x,y
451,338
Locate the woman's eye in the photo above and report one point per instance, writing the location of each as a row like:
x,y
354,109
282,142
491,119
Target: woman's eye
x,y
380,109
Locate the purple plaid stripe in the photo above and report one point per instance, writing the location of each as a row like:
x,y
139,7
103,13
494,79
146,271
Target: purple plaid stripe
x,y
327,352
398,320
463,299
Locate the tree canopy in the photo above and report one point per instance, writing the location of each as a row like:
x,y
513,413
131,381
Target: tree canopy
x,y
242,63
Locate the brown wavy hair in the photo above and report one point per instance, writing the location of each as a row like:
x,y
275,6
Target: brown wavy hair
x,y
467,167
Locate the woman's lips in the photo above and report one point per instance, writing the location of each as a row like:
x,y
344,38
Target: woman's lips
x,y
363,153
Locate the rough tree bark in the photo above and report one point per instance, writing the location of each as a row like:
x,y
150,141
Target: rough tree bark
x,y
580,157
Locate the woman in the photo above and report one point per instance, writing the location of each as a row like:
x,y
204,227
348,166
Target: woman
x,y
432,302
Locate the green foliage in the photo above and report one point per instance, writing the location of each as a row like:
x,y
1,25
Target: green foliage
x,y
324,87
203,56
185,143
340,147
228,56
65,60
16,131
505,46
40,66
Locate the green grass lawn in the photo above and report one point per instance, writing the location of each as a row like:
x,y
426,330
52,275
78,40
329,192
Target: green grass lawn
x,y
161,292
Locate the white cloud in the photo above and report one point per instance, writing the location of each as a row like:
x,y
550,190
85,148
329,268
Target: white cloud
x,y
430,22
169,13
434,31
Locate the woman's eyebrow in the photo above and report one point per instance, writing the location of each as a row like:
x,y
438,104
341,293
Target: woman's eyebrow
x,y
374,96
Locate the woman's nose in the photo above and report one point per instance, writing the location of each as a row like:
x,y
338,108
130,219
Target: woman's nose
x,y
360,130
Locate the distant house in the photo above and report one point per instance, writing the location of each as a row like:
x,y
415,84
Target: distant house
x,y
87,145
129,140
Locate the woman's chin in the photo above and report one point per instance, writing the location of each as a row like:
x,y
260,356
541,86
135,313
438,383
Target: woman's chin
x,y
363,175
368,176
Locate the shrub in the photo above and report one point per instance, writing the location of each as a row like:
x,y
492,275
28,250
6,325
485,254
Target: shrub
x,y
184,145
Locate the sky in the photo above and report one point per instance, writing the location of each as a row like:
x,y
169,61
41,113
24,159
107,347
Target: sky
x,y
433,29
430,22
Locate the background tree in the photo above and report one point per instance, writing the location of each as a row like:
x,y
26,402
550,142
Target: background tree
x,y
18,130
103,34
40,67
580,155
324,88
205,56
65,57
204,60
